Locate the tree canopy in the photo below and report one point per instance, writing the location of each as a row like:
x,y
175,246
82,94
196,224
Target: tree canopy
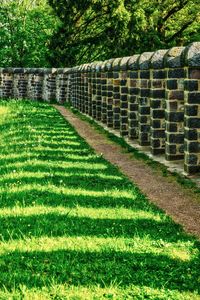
x,y
34,33
100,29
25,30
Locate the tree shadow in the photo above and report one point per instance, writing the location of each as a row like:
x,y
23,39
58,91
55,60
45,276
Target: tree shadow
x,y
57,156
90,180
39,268
10,199
37,167
17,227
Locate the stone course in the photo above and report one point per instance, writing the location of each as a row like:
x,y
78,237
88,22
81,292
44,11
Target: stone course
x,y
152,99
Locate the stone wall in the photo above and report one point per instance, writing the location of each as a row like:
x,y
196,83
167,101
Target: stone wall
x,y
152,98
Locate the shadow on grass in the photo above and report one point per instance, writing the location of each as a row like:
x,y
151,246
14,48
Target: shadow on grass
x,y
10,199
90,180
46,153
37,269
66,225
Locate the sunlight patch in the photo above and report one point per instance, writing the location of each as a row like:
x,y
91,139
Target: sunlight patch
x,y
20,175
114,193
55,164
33,156
4,111
95,244
113,291
80,212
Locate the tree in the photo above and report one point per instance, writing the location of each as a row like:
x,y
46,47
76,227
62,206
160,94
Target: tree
x,y
100,29
26,27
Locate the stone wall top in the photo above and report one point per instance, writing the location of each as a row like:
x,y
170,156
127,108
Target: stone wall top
x,y
108,65
7,70
144,60
173,57
157,59
116,64
62,70
133,62
124,63
191,55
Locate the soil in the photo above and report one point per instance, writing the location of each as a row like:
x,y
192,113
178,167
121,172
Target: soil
x,y
180,203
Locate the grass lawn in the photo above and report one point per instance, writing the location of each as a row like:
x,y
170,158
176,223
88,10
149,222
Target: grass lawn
x,y
73,227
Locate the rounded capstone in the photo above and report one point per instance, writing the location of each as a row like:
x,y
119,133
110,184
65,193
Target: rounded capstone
x,y
85,67
191,55
29,70
98,66
54,70
47,71
8,70
67,70
18,70
93,67
144,60
36,71
116,64
44,71
89,66
103,66
172,58
157,60
124,63
26,70
132,63
80,68
109,62
63,70
75,69
60,70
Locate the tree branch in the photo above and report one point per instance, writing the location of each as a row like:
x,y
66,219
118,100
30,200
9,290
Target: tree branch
x,y
175,35
172,11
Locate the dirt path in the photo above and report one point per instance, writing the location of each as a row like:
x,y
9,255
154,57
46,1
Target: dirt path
x,y
174,200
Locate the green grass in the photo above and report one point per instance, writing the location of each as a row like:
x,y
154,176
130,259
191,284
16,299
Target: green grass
x,y
73,227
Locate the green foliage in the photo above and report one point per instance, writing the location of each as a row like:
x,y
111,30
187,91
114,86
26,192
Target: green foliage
x,y
26,27
73,227
97,30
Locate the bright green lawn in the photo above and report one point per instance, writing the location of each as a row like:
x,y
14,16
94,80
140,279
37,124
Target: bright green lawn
x,y
73,227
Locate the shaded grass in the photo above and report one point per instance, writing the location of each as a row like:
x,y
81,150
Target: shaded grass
x,y
73,227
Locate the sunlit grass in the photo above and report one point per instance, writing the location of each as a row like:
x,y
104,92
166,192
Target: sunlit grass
x,y
100,213
73,227
68,191
32,157
62,164
179,250
113,291
31,175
